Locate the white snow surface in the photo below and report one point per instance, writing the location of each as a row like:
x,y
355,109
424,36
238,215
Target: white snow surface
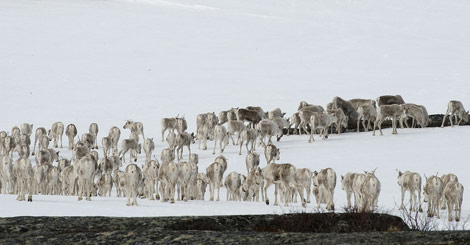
x,y
83,61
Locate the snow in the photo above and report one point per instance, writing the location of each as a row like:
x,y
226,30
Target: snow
x,y
86,61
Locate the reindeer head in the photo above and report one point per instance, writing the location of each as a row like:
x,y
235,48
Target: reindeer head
x,y
315,179
167,155
342,182
466,116
192,138
194,158
154,166
426,189
400,177
128,124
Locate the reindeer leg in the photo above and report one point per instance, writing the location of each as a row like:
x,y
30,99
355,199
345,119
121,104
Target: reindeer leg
x,y
444,119
276,187
311,136
265,191
402,198
215,144
380,127
199,139
205,143
375,125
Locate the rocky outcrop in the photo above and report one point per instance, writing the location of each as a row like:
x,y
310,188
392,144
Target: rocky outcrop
x,y
325,228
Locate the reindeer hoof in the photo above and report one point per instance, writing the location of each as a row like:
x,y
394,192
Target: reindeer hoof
x,y
172,201
30,199
267,202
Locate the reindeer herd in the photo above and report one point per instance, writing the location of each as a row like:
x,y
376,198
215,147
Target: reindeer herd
x,y
87,175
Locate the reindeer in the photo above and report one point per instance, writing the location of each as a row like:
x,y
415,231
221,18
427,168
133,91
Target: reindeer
x,y
388,111
71,132
410,181
93,130
324,183
235,127
181,124
168,124
455,108
366,113
267,129
129,144
249,136
136,128
114,134
56,132
133,179
27,129
390,100
220,134
37,137
184,139
149,146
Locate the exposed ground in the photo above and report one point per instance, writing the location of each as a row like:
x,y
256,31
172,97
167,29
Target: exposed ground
x,y
318,228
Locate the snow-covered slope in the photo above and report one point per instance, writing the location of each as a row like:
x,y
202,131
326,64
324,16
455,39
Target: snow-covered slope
x,y
83,61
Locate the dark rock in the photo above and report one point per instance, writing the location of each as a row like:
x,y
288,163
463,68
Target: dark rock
x,y
327,228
